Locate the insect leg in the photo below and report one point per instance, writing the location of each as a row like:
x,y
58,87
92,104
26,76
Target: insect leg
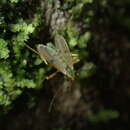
x,y
74,55
75,58
31,49
53,99
52,75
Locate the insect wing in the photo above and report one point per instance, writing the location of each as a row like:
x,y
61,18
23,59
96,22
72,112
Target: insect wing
x,y
52,57
64,51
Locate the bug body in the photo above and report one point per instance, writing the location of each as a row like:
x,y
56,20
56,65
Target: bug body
x,y
58,56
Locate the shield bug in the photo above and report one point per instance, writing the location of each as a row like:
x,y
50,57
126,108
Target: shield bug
x,y
58,56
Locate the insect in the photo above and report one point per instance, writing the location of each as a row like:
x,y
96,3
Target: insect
x,y
58,56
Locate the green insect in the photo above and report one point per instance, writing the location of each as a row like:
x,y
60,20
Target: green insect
x,y
58,56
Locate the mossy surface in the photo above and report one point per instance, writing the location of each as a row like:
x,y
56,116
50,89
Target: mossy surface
x,y
98,32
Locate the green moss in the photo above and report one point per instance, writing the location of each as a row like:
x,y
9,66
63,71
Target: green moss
x,y
104,116
15,64
4,51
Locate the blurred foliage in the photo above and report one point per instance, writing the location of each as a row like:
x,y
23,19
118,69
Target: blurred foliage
x,y
104,116
4,51
87,70
15,60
